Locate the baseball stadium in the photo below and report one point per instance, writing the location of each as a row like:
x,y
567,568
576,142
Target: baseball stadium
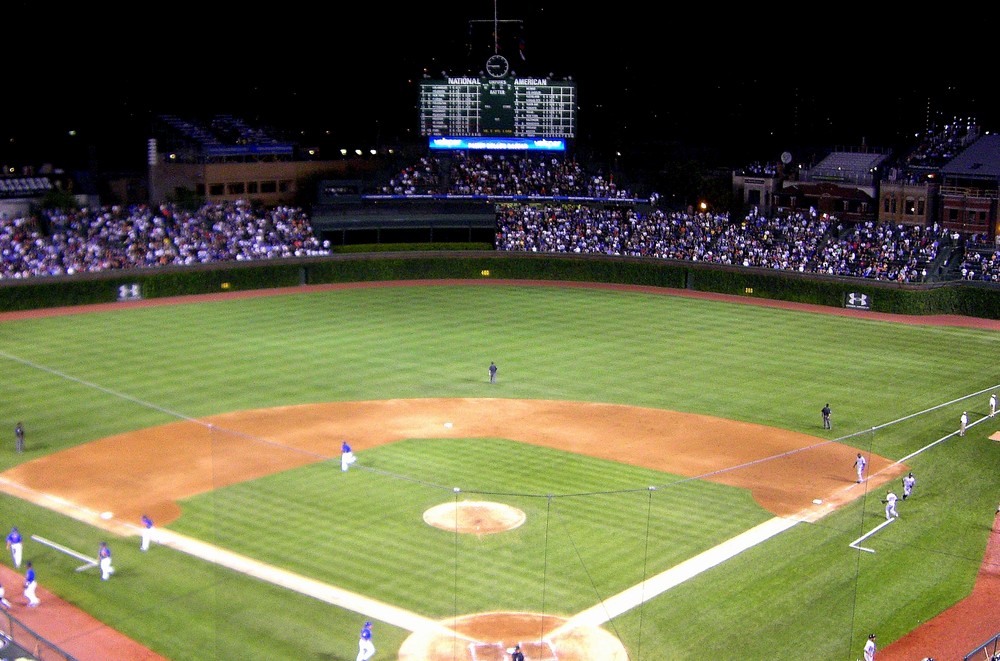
x,y
649,477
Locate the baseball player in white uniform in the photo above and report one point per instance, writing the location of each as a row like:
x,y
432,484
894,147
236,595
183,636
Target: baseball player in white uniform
x,y
908,483
870,648
964,423
860,464
890,506
993,405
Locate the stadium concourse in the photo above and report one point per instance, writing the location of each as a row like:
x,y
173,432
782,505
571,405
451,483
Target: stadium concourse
x,y
949,636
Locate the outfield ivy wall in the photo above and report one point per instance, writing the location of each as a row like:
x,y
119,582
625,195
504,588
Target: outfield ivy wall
x,y
959,298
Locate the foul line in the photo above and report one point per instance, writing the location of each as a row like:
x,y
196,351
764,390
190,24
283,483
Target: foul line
x,y
854,544
91,562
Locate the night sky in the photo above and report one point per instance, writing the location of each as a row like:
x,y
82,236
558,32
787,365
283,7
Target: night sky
x,y
733,88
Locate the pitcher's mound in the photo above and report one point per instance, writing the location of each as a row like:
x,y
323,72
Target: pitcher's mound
x,y
487,636
477,517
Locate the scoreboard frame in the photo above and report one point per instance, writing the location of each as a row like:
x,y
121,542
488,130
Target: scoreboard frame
x,y
507,107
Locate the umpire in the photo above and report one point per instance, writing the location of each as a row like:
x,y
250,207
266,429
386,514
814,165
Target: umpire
x,y
19,437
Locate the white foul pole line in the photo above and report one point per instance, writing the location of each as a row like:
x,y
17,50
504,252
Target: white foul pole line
x,y
91,562
854,544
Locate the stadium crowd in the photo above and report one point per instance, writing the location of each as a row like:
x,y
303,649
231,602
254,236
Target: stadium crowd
x,y
803,242
502,175
57,242
119,237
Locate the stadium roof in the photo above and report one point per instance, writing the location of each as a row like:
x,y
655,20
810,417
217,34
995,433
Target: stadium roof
x,y
980,159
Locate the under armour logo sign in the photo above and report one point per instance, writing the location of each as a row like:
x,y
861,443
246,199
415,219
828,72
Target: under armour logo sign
x,y
855,300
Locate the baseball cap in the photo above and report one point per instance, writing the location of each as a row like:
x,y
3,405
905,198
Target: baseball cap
x,y
871,635
368,624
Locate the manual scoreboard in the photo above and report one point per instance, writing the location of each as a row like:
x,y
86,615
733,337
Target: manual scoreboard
x,y
512,107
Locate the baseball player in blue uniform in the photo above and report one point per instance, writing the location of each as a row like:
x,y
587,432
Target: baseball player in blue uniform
x,y
30,584
147,532
16,546
104,556
493,372
366,649
346,456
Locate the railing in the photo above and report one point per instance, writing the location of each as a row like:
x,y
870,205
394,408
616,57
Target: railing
x,y
988,651
16,638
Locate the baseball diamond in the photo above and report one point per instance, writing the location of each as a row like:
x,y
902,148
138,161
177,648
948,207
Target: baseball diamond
x,y
784,471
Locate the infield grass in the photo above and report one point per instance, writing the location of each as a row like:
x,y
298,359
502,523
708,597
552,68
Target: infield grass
x,y
802,594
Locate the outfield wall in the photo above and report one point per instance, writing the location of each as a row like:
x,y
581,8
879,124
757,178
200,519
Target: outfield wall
x,y
953,298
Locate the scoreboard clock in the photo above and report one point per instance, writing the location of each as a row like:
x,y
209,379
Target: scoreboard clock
x,y
497,66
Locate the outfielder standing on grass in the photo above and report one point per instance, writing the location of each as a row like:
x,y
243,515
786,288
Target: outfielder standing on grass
x,y
366,649
993,405
908,482
826,417
16,546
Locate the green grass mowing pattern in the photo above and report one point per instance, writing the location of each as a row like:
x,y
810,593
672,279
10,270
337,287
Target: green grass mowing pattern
x,y
738,361
387,550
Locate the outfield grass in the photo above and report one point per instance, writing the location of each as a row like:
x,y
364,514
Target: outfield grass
x,y
802,594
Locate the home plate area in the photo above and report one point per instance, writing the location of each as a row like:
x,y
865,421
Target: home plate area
x,y
497,652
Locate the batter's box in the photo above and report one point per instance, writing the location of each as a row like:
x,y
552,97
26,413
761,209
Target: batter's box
x,y
496,652
487,652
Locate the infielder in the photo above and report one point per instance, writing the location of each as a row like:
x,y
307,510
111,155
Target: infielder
x,y
346,456
147,532
860,464
908,483
16,546
366,649
890,506
104,556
